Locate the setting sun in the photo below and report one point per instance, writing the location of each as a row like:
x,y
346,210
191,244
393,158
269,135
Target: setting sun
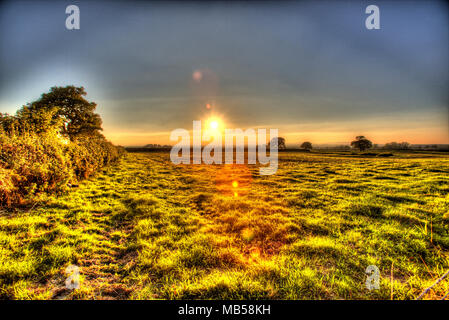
x,y
214,124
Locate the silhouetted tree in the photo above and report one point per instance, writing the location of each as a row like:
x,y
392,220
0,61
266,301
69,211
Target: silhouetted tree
x,y
306,145
279,141
76,112
361,143
397,146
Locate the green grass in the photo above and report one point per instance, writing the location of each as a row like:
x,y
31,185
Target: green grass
x,y
147,229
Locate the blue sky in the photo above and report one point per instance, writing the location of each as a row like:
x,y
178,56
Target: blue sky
x,y
311,69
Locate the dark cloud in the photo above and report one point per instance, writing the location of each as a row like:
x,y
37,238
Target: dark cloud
x,y
286,62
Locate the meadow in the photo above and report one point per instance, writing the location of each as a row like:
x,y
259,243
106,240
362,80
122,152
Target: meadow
x,y
143,228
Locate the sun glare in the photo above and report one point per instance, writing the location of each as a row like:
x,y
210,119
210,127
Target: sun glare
x,y
214,124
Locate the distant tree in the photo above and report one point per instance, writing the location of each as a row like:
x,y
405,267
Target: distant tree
x,y
279,141
77,114
306,145
342,147
397,146
361,143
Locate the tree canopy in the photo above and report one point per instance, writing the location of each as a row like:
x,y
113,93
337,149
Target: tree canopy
x,y
77,114
306,145
361,143
397,146
279,141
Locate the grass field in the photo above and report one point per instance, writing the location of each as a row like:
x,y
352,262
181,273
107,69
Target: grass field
x,y
147,229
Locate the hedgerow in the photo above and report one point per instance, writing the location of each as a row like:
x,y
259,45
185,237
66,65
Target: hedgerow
x,y
37,155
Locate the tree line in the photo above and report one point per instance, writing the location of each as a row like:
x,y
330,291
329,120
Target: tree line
x,y
360,143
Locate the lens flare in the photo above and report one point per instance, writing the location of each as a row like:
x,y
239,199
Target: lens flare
x,y
214,125
233,180
197,75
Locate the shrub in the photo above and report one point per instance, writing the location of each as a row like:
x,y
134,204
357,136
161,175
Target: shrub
x,y
7,187
36,157
32,164
88,154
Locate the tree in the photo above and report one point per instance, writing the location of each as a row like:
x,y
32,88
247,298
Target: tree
x,y
397,146
361,143
279,142
306,145
77,114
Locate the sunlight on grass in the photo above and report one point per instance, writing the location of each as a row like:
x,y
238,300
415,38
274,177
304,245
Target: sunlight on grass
x,y
146,229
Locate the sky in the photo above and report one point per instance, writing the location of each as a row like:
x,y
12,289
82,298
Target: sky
x,y
308,68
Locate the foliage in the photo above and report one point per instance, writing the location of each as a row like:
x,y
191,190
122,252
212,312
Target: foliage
x,y
36,155
397,146
279,142
89,153
77,114
32,164
306,145
26,121
361,143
